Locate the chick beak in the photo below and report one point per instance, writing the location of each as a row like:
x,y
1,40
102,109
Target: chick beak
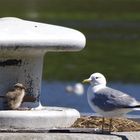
x,y
86,81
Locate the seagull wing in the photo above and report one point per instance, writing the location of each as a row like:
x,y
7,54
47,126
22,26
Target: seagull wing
x,y
109,99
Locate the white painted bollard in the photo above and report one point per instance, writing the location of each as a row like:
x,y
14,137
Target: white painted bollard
x,y
22,47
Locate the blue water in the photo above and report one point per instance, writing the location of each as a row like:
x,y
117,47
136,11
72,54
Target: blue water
x,y
54,94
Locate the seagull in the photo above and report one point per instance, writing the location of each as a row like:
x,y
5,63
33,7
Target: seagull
x,y
14,98
77,88
107,101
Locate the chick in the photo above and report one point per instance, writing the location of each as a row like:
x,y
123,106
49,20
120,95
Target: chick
x,y
14,98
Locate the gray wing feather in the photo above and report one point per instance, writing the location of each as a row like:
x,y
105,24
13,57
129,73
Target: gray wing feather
x,y
109,99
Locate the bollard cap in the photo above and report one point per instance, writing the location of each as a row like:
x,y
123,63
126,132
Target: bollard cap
x,y
22,34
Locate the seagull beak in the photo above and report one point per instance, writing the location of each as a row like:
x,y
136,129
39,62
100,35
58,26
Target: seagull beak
x,y
86,81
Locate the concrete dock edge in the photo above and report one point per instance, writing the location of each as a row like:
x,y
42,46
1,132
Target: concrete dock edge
x,y
70,136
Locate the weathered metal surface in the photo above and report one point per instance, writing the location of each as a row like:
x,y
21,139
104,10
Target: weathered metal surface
x,y
17,34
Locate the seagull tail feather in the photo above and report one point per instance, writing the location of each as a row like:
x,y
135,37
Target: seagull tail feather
x,y
135,107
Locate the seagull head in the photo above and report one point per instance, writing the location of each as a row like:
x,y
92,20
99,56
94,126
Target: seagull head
x,y
96,79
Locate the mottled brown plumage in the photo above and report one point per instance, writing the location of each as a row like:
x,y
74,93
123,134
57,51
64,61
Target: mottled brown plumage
x,y
14,98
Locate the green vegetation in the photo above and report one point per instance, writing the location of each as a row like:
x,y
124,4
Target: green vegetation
x,y
112,29
119,60
72,9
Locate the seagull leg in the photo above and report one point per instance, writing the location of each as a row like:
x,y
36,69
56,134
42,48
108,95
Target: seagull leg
x,y
110,124
103,121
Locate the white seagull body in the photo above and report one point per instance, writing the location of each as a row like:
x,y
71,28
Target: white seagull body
x,y
110,102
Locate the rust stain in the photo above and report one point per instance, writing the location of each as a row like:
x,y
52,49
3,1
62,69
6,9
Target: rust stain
x,y
10,62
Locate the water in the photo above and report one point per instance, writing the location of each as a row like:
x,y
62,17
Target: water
x,y
54,94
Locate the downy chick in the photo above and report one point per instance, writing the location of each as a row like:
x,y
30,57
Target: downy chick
x,y
14,98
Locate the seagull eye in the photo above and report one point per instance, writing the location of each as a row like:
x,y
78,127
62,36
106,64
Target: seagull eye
x,y
96,77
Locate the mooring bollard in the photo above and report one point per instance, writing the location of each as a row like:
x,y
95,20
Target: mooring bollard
x,y
22,47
